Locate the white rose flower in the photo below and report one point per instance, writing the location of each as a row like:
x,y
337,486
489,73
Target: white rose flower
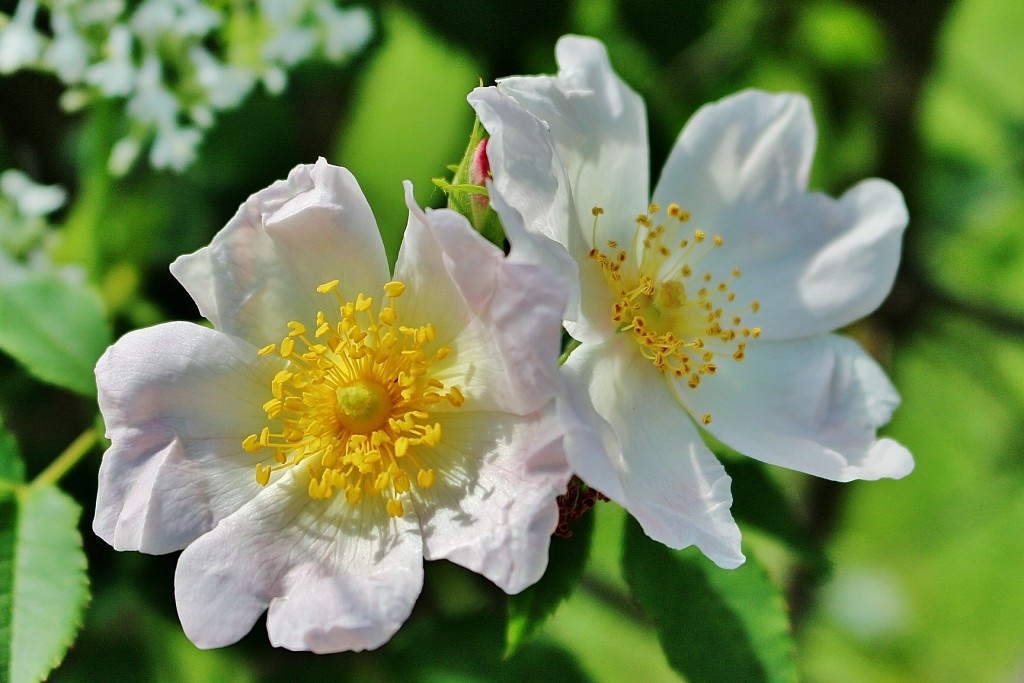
x,y
337,426
710,303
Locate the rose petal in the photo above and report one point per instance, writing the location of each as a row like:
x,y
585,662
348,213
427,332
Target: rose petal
x,y
335,576
492,508
671,483
812,405
813,263
599,126
178,399
261,271
531,195
502,319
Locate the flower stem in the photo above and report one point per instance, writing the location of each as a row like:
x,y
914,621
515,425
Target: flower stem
x,y
68,459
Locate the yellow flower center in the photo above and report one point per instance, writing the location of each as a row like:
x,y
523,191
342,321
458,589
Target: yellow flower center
x,y
354,407
683,320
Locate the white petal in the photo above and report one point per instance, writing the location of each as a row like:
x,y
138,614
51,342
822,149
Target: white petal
x,y
600,130
814,263
502,320
336,577
671,483
811,405
178,399
492,508
533,198
261,271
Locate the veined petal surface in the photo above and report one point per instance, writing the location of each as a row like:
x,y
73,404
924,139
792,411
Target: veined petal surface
x,y
175,420
261,271
335,576
814,263
493,511
465,286
812,405
671,483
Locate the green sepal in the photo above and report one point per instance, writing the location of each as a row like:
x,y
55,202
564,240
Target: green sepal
x,y
470,198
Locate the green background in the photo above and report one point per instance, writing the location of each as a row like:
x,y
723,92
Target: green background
x,y
912,580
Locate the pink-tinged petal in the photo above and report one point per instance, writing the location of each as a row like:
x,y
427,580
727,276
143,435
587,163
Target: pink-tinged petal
x,y
532,196
492,508
670,482
599,126
178,399
814,263
812,405
501,319
335,576
261,271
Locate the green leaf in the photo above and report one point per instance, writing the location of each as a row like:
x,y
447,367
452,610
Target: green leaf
x,y
539,661
714,624
43,584
56,330
12,470
758,501
527,611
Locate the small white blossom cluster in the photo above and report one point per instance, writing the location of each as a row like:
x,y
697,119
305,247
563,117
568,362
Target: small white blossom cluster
x,y
176,62
24,228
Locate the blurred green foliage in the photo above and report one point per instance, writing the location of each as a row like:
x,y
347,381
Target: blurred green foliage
x,y
924,583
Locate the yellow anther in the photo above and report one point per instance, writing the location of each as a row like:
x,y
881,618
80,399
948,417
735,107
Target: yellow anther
x,y
597,211
425,478
287,347
705,419
328,287
352,406
269,348
395,508
717,239
698,235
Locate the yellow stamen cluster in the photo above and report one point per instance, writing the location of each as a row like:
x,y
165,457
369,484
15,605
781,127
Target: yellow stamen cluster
x,y
355,402
683,320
